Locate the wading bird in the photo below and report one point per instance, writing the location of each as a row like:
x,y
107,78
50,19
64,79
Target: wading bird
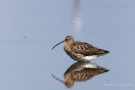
x,y
81,51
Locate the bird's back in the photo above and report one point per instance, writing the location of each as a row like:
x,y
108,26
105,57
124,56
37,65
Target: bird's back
x,y
81,51
87,49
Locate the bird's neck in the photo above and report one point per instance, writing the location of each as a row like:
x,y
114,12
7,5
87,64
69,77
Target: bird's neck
x,y
68,46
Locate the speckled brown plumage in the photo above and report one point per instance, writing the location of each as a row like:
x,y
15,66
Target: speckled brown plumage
x,y
80,51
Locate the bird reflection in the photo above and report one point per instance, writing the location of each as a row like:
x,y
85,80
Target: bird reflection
x,y
80,71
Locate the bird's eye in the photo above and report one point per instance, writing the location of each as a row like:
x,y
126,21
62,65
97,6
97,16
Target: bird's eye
x,y
66,39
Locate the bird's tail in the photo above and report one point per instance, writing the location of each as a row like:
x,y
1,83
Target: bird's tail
x,y
103,52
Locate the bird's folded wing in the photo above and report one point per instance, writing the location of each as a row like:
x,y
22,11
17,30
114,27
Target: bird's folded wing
x,y
84,48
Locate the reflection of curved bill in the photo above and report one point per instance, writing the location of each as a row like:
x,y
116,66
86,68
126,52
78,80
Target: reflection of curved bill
x,y
80,71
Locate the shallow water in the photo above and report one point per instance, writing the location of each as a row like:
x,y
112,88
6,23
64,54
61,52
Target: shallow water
x,y
29,29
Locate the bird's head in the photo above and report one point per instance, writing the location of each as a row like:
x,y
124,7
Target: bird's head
x,y
68,39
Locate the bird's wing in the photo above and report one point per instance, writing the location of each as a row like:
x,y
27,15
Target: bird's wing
x,y
85,49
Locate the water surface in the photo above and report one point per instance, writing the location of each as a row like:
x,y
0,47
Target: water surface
x,y
28,63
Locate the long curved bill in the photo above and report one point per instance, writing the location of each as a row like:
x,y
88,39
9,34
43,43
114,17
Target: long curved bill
x,y
58,79
58,44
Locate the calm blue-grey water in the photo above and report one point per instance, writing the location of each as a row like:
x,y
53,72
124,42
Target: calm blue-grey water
x,y
30,28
